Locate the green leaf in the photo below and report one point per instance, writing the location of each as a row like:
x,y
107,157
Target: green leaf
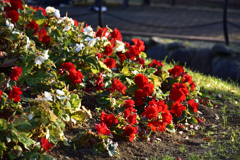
x,y
2,77
143,55
102,65
21,123
3,124
26,141
125,71
75,102
182,117
79,116
41,21
39,15
193,120
150,71
170,128
2,148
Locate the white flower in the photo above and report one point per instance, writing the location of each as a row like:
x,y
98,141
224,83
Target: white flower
x,y
57,13
28,42
30,116
88,31
50,9
10,25
60,92
67,28
79,47
15,32
120,46
39,60
135,72
8,139
46,56
92,42
48,96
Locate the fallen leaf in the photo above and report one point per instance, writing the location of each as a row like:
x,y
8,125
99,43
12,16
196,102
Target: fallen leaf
x,y
208,139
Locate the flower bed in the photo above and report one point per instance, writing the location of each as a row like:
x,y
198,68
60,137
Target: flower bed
x,y
49,63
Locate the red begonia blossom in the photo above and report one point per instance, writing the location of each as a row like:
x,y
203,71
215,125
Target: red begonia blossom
x,y
193,105
108,50
33,25
102,32
129,104
118,85
127,112
148,87
41,33
99,55
151,113
166,116
132,119
116,35
130,131
46,40
178,92
176,71
17,71
45,144
75,76
122,57
15,94
139,95
140,80
68,66
139,44
109,120
99,84
102,129
177,109
140,61
157,125
13,14
110,63
0,95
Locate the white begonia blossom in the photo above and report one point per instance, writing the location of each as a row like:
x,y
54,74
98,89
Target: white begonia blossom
x,y
60,92
120,47
39,60
79,47
30,116
50,9
28,42
48,96
15,32
57,13
67,28
10,25
92,42
88,31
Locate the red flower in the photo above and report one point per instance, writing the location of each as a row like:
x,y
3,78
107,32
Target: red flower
x,y
177,109
110,63
132,119
176,71
193,105
186,78
75,22
99,55
118,85
139,44
42,33
148,87
101,32
33,25
0,95
192,86
140,80
154,125
129,104
102,129
17,71
68,66
166,116
122,57
76,76
109,120
151,113
108,50
178,92
159,105
127,112
45,144
14,15
46,39
156,64
15,94
139,95
116,35
16,4
99,84
130,131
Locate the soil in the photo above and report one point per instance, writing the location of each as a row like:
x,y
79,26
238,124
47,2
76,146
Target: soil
x,y
161,144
